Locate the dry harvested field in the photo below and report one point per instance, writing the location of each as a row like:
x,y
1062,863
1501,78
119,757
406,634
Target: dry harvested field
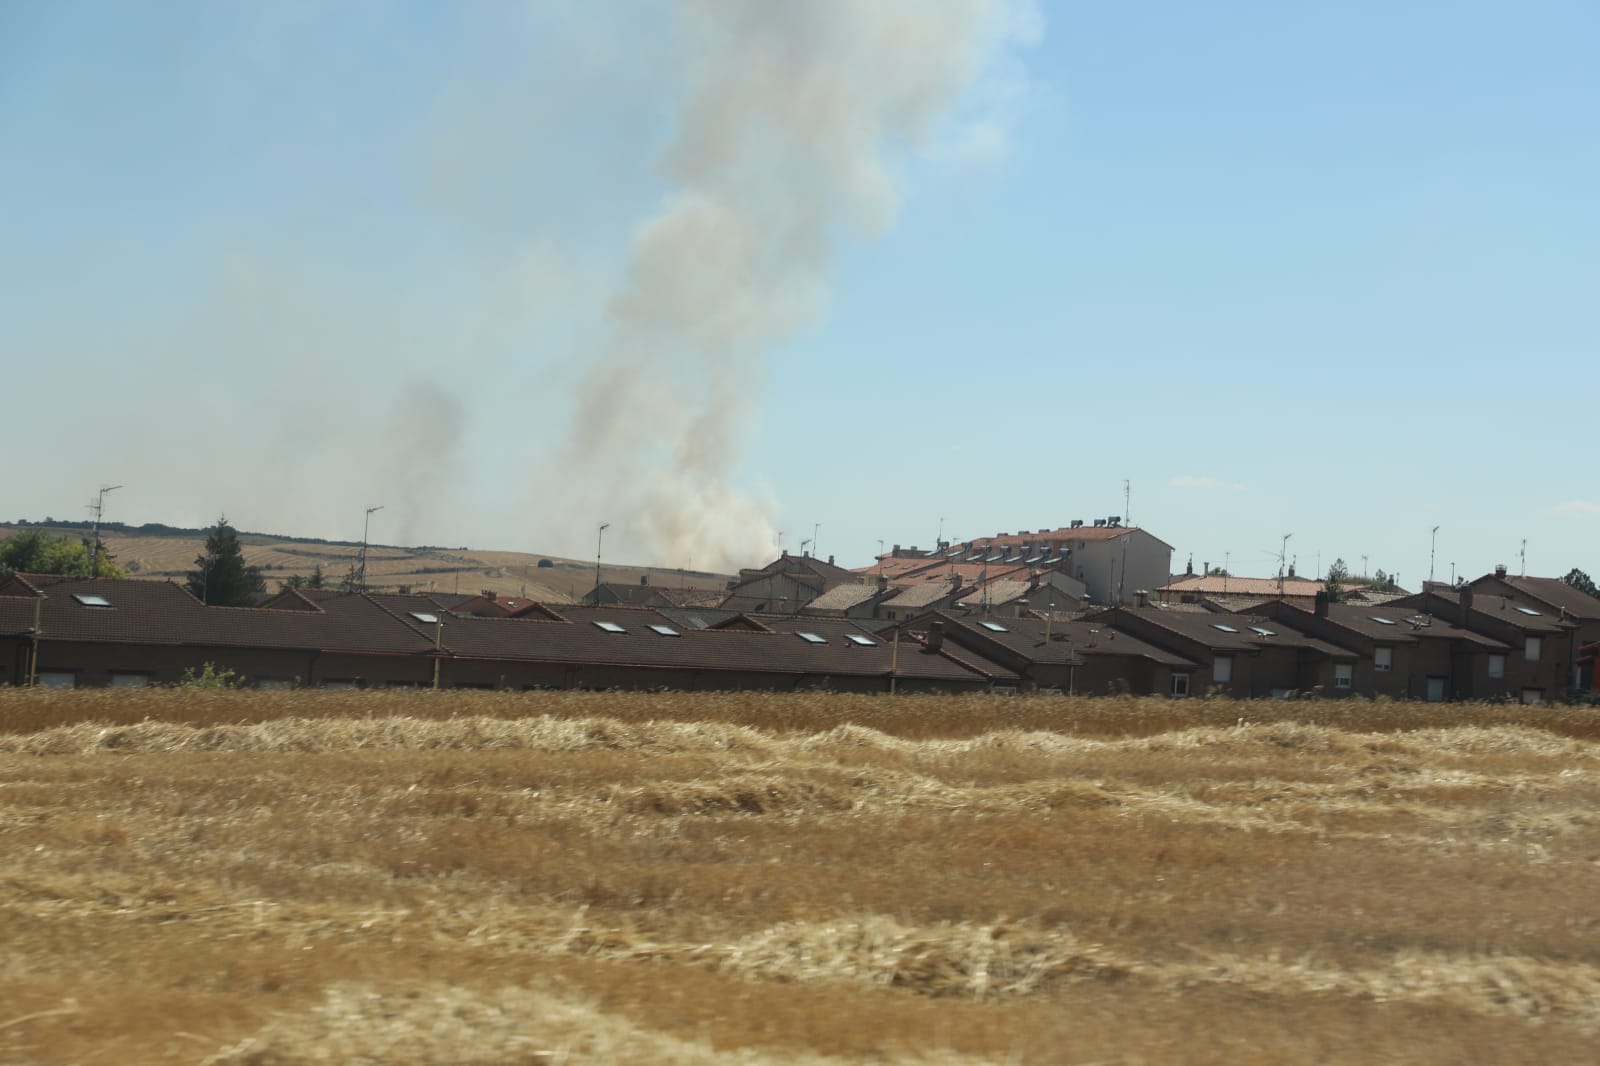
x,y
244,877
444,570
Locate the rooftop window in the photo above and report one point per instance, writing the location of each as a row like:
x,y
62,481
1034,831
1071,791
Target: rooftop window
x,y
1382,621
610,627
812,638
425,617
89,600
1529,610
994,627
1223,628
1262,631
857,638
665,631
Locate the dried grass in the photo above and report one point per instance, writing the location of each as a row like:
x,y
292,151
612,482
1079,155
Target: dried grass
x,y
425,877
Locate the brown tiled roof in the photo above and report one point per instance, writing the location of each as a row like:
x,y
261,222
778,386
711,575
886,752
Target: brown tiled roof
x,y
1212,631
779,649
1210,585
996,593
1557,594
843,597
918,596
1059,642
162,613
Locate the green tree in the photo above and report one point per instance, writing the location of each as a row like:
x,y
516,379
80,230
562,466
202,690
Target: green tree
x,y
1581,581
221,577
210,676
1338,577
314,580
37,552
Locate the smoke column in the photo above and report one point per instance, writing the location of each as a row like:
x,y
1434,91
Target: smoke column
x,y
791,118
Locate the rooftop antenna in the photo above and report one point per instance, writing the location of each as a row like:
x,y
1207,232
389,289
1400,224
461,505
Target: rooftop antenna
x,y
1524,556
814,530
1283,553
98,507
599,542
1127,498
1226,555
361,565
939,540
1432,543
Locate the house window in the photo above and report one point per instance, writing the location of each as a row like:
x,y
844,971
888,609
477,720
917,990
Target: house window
x,y
58,679
1180,686
1382,658
1530,650
1343,675
1222,668
275,683
1497,666
129,680
1532,695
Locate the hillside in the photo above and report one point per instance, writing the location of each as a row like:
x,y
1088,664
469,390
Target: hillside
x,y
170,554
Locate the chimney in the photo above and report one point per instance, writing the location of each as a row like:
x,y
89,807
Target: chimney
x,y
1500,570
488,594
1466,598
644,579
1321,608
830,560
1141,597
883,581
1291,570
935,636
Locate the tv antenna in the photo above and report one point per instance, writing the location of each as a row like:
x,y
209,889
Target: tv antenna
x,y
98,507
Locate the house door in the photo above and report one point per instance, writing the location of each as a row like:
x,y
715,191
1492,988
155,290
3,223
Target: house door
x,y
1435,690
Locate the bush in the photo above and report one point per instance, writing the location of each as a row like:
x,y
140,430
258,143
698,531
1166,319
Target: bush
x,y
210,676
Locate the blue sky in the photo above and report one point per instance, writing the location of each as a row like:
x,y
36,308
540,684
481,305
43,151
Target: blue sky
x,y
1326,270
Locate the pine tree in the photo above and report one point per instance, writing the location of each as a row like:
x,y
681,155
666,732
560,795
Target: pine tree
x,y
220,577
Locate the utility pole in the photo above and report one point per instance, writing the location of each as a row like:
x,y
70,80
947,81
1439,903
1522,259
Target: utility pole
x,y
98,507
599,543
1283,555
361,567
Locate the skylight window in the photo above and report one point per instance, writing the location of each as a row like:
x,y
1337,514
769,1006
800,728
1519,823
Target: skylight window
x,y
665,631
812,638
1382,621
1530,610
610,627
425,617
90,600
1223,628
1262,631
857,638
994,627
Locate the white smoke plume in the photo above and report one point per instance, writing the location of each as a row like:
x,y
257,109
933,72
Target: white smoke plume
x,y
793,116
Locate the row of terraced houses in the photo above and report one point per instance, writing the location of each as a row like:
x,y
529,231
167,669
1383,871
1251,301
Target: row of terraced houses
x,y
1089,608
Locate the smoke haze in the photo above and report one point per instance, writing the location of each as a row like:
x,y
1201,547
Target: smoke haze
x,y
509,277
784,145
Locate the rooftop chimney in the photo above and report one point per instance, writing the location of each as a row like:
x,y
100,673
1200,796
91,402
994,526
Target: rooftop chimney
x,y
935,636
1466,598
1321,607
1500,570
830,560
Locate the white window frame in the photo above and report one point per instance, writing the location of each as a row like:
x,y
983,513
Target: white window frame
x,y
1344,675
1383,658
1222,669
1180,686
1497,665
1532,649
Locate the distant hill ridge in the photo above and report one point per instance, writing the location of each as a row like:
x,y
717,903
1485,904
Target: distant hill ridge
x,y
160,551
